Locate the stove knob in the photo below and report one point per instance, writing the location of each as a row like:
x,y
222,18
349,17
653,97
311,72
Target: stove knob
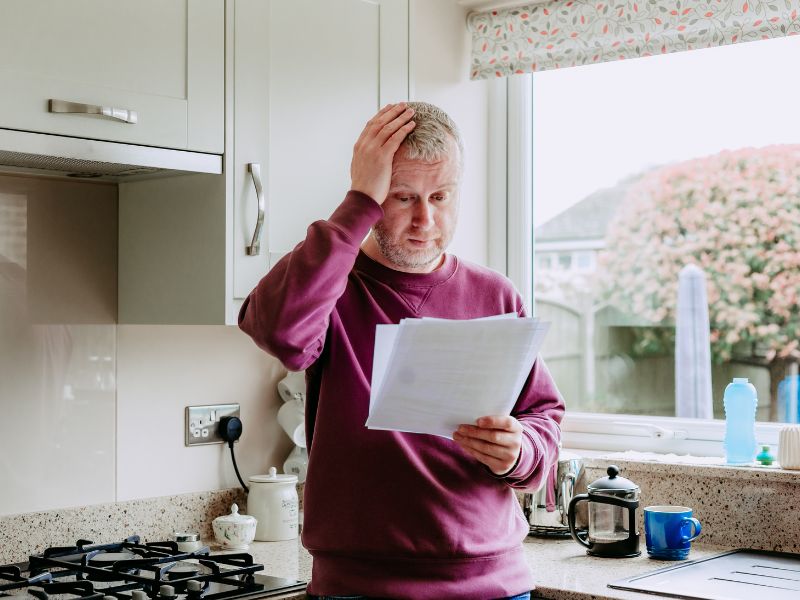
x,y
166,591
194,586
139,595
109,598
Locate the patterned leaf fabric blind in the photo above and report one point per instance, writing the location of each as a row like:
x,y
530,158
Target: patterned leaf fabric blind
x,y
558,33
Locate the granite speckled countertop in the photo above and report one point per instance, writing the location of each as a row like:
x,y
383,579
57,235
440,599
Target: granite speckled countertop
x,y
562,569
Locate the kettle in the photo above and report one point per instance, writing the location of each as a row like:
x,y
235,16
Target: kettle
x,y
613,501
546,509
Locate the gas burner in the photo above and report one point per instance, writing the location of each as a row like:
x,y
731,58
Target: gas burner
x,y
130,570
105,559
184,571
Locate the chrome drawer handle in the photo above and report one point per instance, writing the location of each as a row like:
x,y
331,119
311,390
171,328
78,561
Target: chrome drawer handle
x,y
255,246
120,114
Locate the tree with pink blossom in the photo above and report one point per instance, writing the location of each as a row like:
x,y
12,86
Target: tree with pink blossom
x,y
735,214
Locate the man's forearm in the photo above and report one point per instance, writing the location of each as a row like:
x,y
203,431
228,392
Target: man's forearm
x,y
539,411
288,312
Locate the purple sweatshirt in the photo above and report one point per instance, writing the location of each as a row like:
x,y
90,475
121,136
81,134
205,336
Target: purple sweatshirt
x,y
390,514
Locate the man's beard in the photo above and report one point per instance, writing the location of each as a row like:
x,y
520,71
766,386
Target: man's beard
x,y
403,257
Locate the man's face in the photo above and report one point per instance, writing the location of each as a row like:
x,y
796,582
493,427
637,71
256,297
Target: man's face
x,y
420,212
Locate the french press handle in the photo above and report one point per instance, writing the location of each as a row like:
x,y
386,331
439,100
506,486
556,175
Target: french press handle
x,y
631,505
582,540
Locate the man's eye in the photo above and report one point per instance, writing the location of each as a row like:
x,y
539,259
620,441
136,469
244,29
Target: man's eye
x,y
439,197
404,198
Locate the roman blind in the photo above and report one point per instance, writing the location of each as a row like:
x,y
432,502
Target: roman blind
x,y
558,33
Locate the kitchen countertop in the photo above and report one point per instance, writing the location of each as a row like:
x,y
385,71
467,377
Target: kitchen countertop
x,y
562,569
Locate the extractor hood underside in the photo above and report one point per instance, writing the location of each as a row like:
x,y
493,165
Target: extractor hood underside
x,y
39,153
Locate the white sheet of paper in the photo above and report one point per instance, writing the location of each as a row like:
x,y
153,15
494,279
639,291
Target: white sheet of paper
x,y
385,336
430,375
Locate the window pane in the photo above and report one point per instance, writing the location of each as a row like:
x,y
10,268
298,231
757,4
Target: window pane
x,y
642,167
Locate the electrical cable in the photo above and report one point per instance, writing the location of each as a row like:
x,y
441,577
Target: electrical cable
x,y
230,430
236,468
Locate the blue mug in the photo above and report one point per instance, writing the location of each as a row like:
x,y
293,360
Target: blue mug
x,y
669,531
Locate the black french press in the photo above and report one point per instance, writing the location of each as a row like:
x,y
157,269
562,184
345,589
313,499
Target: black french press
x,y
612,532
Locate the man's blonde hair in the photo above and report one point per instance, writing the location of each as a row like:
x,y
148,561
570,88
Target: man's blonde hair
x,y
428,140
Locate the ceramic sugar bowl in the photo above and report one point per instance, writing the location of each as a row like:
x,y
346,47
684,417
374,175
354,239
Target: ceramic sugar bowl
x,y
234,530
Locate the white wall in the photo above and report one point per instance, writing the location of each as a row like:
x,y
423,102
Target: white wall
x,y
440,59
163,369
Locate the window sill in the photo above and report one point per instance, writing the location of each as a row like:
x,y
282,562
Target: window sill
x,y
674,464
662,435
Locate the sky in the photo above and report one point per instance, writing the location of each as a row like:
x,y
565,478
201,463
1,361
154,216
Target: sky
x,y
597,124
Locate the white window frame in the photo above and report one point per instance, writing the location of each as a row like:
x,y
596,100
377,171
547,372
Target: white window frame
x,y
511,251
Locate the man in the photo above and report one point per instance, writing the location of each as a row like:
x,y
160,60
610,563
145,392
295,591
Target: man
x,y
391,514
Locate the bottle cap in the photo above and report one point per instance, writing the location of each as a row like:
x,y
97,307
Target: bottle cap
x,y
741,380
764,457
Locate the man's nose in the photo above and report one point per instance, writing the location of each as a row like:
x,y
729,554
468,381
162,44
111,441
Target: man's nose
x,y
423,214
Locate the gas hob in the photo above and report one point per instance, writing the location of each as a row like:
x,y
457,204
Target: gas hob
x,y
130,570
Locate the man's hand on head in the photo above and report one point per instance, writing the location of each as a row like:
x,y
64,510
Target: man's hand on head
x,y
495,441
371,167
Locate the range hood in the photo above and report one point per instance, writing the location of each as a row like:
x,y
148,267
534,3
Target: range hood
x,y
47,154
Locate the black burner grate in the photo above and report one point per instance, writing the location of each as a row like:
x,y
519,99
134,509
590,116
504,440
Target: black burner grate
x,y
131,570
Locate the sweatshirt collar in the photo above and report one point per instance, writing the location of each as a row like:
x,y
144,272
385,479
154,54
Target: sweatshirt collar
x,y
392,277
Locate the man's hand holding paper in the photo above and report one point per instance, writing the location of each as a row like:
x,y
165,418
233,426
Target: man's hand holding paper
x,y
433,375
493,440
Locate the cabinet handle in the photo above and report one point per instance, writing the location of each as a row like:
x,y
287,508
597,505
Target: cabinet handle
x,y
255,246
120,114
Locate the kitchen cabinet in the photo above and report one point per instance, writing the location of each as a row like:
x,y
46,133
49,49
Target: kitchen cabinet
x,y
302,78
162,60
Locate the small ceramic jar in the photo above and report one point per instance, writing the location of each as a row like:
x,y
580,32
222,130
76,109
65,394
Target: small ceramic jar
x,y
234,530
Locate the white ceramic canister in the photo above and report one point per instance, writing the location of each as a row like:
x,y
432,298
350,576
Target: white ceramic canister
x,y
789,447
273,502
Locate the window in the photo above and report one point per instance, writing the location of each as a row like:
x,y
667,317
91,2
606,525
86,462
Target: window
x,y
584,261
544,261
656,163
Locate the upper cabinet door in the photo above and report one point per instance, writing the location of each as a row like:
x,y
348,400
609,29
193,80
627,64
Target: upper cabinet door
x,y
308,75
162,59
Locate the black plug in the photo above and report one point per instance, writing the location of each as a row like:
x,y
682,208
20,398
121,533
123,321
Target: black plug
x,y
230,430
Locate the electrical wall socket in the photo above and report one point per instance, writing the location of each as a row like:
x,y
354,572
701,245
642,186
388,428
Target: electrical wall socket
x,y
202,423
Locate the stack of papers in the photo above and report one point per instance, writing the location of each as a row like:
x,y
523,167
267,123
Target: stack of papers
x,y
431,375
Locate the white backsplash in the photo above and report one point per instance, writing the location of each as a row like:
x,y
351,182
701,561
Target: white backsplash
x,y
57,343
92,412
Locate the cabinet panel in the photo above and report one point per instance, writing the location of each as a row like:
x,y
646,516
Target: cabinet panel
x,y
331,65
161,59
301,77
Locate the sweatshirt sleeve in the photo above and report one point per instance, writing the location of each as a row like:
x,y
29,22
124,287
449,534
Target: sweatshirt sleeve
x,y
539,410
288,312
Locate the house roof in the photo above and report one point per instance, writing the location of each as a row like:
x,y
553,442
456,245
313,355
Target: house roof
x,y
587,219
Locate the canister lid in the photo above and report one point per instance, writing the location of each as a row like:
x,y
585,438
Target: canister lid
x,y
185,536
234,517
273,477
612,482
